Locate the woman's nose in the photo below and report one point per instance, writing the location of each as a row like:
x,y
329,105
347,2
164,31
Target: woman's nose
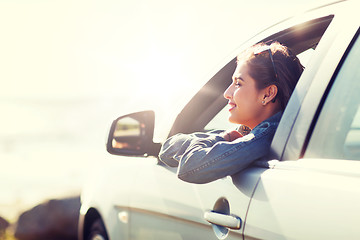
x,y
228,93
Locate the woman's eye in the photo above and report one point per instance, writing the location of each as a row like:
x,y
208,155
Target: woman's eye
x,y
237,84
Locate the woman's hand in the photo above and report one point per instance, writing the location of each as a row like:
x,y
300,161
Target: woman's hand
x,y
232,135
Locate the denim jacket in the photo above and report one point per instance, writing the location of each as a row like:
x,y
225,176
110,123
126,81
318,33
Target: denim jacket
x,y
205,157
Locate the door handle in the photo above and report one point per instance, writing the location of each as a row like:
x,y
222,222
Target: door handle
x,y
225,220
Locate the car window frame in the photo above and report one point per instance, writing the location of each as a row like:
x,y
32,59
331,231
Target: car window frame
x,y
326,95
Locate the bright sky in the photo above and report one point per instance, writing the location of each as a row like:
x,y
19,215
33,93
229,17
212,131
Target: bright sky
x,y
67,48
63,63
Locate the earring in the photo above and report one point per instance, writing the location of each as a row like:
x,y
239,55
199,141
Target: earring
x,y
263,102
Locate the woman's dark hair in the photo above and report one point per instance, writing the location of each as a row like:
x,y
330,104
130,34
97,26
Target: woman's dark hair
x,y
282,69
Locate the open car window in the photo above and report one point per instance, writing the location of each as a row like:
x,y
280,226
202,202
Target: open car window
x,y
220,121
209,103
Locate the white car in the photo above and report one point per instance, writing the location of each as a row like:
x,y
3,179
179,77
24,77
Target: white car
x,y
308,189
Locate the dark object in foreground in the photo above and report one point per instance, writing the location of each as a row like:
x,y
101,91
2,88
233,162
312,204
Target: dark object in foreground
x,y
3,226
52,220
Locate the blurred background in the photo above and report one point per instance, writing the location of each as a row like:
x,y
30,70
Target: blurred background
x,y
69,67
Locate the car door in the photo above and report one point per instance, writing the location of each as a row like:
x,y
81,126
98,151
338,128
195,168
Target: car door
x,y
169,208
313,193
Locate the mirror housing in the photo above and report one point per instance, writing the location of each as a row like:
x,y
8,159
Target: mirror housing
x,y
132,135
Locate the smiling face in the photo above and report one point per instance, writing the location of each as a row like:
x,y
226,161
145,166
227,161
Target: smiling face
x,y
245,99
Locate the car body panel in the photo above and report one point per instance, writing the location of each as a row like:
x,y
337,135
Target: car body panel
x,y
306,199
166,207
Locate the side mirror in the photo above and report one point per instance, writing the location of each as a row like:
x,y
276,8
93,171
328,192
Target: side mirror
x,y
132,135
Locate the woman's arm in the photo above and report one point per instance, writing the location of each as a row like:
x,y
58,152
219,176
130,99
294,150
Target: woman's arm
x,y
201,164
175,147
202,158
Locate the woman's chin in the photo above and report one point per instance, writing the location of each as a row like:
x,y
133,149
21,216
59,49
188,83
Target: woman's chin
x,y
233,120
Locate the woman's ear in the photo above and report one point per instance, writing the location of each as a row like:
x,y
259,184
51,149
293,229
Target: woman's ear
x,y
270,94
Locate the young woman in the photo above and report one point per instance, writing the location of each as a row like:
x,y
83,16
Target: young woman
x,y
262,84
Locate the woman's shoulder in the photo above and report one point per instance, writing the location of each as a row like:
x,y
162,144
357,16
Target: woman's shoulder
x,y
268,125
